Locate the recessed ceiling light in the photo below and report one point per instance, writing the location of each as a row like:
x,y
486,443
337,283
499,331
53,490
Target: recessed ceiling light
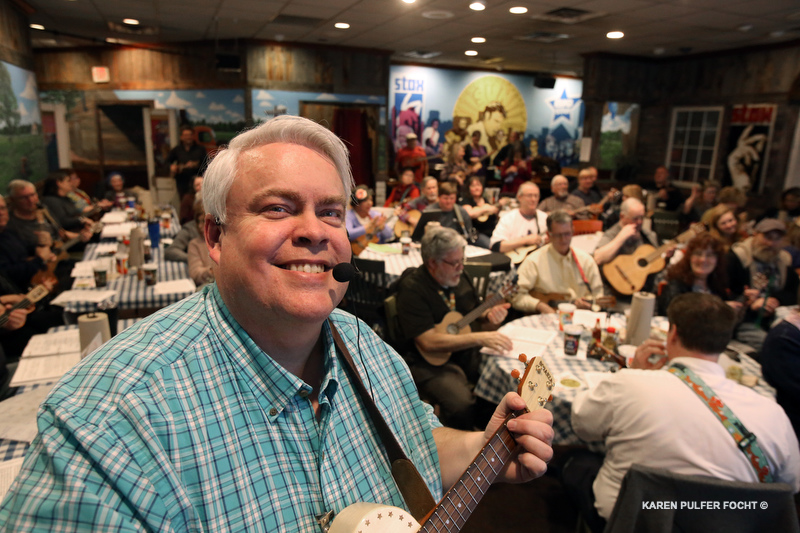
x,y
437,14
478,40
777,33
131,22
478,6
615,35
745,28
36,27
471,53
659,51
341,25
409,1
518,10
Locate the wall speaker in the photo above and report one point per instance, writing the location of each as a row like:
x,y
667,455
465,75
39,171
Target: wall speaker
x,y
229,63
544,82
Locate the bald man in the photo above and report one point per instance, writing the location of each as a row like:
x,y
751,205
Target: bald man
x,y
563,200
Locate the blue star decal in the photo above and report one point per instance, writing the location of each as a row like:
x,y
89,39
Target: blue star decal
x,y
563,107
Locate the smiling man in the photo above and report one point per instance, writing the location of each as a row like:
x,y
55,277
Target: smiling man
x,y
232,410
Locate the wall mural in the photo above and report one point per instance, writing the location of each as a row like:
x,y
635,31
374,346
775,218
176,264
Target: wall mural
x,y
618,131
268,103
445,106
22,144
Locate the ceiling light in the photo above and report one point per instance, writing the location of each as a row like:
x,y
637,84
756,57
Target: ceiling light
x,y
341,25
659,51
479,40
480,5
774,34
409,1
518,10
471,53
131,22
745,28
36,27
615,35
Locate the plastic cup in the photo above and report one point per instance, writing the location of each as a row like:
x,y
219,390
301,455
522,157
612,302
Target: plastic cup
x,y
154,229
100,277
122,263
572,339
565,313
150,274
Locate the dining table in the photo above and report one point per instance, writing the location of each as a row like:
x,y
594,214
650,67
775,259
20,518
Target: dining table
x,y
539,335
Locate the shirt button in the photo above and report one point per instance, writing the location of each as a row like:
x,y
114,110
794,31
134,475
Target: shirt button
x,y
303,393
273,412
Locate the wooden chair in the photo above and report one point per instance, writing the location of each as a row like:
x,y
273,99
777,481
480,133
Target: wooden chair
x,y
366,293
479,274
582,227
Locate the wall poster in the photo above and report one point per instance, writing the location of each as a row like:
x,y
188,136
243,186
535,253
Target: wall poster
x,y
749,139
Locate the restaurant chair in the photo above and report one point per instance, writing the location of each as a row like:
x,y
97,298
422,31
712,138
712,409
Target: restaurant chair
x,y
478,273
583,227
366,292
774,508
393,336
666,224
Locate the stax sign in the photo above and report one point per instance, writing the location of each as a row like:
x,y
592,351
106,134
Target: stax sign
x,y
753,114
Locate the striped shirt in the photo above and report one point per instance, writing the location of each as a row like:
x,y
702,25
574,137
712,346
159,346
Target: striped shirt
x,y
182,423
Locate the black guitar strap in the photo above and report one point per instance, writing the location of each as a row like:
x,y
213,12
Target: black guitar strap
x,y
413,488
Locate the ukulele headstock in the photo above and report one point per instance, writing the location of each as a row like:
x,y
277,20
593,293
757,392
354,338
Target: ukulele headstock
x,y
536,384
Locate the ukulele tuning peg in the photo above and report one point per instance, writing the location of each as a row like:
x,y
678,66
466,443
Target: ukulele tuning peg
x,y
515,374
523,358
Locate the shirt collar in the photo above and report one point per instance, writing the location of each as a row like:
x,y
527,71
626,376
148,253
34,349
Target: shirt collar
x,y
269,382
700,365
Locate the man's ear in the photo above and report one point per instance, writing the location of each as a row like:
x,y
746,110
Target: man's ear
x,y
213,234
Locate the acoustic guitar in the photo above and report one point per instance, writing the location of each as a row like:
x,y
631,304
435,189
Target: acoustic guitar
x,y
47,275
452,512
410,222
613,194
602,302
36,294
361,243
518,255
454,323
628,272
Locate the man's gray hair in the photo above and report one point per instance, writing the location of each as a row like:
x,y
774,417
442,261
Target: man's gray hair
x,y
625,208
221,172
426,179
526,185
556,178
14,186
439,242
559,216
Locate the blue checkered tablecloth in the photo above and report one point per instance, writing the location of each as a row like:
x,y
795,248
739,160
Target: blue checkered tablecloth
x,y
397,263
134,293
495,380
11,449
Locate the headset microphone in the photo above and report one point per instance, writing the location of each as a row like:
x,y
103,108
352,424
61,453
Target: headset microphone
x,y
344,272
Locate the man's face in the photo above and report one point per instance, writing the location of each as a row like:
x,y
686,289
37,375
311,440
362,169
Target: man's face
x,y
493,122
187,137
407,178
26,200
285,232
560,237
709,195
411,143
431,190
3,214
75,180
528,199
447,202
585,181
635,215
560,188
117,183
767,245
661,177
447,271
593,174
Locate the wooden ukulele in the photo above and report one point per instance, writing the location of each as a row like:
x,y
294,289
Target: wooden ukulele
x,y
411,220
452,512
628,272
36,294
598,208
602,302
361,243
454,323
518,255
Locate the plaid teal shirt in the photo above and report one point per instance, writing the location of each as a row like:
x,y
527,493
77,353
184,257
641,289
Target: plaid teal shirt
x,y
182,423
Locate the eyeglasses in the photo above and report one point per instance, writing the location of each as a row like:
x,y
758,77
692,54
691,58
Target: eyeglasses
x,y
454,264
566,235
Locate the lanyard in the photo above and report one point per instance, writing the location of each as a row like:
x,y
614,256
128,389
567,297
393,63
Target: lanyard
x,y
745,440
451,301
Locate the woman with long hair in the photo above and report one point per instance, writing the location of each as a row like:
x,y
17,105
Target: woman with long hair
x,y
702,269
722,224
